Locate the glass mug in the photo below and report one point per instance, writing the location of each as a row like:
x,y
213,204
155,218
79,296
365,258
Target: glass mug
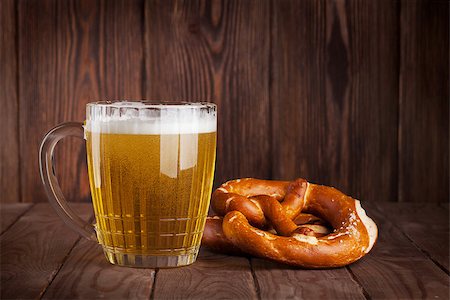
x,y
151,169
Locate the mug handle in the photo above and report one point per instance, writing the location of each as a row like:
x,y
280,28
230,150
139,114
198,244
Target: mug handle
x,y
51,185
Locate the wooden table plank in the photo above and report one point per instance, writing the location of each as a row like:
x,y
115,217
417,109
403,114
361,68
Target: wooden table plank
x,y
426,225
277,281
88,275
33,250
425,213
395,268
212,276
10,213
401,278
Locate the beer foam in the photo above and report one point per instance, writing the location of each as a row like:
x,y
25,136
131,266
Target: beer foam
x,y
147,118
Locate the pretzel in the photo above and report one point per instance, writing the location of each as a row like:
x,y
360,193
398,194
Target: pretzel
x,y
299,212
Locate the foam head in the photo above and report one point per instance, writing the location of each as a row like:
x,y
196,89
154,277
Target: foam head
x,y
123,117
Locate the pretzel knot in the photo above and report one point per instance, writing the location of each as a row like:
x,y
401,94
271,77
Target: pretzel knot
x,y
250,212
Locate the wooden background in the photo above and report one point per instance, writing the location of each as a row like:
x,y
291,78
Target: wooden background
x,y
353,94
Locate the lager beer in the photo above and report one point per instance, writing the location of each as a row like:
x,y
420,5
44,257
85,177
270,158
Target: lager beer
x,y
151,181
151,169
151,192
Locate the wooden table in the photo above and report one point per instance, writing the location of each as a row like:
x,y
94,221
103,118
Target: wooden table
x,y
42,258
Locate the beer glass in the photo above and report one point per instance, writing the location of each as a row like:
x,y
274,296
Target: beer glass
x,y
151,169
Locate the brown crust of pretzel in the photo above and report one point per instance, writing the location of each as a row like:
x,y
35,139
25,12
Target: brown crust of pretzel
x,y
248,205
216,240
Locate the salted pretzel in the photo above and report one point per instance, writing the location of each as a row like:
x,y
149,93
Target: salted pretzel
x,y
250,211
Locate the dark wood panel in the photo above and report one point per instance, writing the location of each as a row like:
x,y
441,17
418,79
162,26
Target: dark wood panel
x,y
333,70
216,51
88,275
10,213
424,102
427,225
373,99
212,276
71,53
278,281
297,90
9,147
33,250
334,94
395,268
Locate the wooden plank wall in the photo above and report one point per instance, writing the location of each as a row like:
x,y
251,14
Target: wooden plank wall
x,y
424,101
334,92
71,52
9,147
353,94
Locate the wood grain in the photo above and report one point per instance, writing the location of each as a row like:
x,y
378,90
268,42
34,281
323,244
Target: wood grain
x,y
33,250
425,213
10,213
346,93
424,102
334,105
9,112
88,275
216,51
297,89
212,276
401,278
71,53
278,281
395,268
426,225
